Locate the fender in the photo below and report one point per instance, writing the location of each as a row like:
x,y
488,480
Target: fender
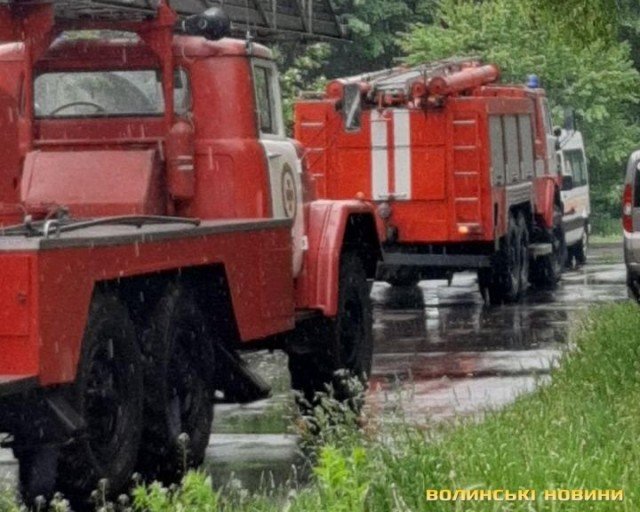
x,y
546,192
327,225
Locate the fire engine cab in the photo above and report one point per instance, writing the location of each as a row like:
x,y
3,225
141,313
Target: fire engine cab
x,y
154,222
461,168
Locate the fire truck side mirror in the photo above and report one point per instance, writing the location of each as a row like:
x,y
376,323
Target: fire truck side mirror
x,y
557,131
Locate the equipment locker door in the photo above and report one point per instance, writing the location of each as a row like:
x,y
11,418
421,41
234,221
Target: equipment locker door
x,y
285,168
551,139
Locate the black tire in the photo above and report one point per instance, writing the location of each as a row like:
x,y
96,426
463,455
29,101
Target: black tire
x,y
38,470
547,270
503,282
632,288
108,394
178,398
403,277
525,263
340,348
581,249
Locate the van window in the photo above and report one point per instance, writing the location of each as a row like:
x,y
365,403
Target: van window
x,y
576,167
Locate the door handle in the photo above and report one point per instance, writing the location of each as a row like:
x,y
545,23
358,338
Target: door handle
x,y
274,155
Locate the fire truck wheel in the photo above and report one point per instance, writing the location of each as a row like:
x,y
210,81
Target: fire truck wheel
x,y
108,394
524,252
37,472
506,272
403,277
178,397
547,270
340,349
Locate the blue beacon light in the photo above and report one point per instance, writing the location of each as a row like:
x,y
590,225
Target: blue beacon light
x,y
533,82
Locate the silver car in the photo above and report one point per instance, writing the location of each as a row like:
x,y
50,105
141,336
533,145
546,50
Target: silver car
x,y
631,224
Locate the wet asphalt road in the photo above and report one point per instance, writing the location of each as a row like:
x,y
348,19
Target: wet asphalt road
x,y
443,353
440,353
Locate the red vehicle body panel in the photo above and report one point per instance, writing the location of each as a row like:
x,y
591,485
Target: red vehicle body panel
x,y
47,290
432,163
111,166
94,183
317,286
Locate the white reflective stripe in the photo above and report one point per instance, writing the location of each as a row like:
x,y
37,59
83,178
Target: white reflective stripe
x,y
402,158
379,157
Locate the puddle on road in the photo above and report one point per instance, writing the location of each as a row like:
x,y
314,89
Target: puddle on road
x,y
440,353
443,353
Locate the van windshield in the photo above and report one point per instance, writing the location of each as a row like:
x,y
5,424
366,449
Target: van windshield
x,y
98,94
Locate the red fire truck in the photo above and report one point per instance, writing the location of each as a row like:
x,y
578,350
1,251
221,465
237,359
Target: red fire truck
x,y
462,170
156,221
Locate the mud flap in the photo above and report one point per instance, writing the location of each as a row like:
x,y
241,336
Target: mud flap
x,y
238,383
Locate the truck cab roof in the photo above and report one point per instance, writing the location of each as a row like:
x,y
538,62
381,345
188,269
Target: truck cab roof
x,y
128,53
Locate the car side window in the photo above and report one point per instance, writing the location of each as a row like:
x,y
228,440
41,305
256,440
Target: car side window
x,y
267,91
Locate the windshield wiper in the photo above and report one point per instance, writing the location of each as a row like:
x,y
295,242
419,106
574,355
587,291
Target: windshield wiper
x,y
50,227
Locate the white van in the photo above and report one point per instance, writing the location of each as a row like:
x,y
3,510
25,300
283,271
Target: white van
x,y
572,165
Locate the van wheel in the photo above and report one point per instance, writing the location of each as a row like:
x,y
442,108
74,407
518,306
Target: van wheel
x,y
178,398
581,249
108,394
339,350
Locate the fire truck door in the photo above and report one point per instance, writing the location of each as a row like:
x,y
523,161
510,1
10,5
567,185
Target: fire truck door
x,y
285,168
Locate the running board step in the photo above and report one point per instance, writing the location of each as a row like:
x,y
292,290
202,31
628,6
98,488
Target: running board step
x,y
238,383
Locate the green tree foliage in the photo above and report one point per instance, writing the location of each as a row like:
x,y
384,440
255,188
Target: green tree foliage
x,y
373,26
576,48
304,73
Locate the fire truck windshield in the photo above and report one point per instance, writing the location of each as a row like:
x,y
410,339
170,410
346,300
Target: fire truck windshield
x,y
98,94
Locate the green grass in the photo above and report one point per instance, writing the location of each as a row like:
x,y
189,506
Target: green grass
x,y
611,239
605,228
580,431
7,502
